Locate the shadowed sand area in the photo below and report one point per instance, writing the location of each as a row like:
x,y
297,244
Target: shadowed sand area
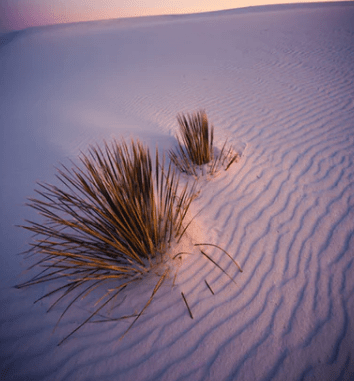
x,y
278,81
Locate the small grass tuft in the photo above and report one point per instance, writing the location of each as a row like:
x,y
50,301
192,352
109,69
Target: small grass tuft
x,y
196,146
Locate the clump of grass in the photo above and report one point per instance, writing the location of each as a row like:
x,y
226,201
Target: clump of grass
x,y
196,149
114,218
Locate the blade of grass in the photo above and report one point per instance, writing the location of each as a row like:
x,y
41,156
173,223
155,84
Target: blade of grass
x,y
185,301
218,247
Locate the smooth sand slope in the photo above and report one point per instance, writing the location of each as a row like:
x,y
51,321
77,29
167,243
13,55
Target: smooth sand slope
x,y
279,82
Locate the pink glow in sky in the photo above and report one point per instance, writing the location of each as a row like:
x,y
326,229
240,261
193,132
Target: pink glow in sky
x,y
20,14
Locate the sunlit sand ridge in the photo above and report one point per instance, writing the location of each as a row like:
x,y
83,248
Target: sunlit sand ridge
x,y
279,84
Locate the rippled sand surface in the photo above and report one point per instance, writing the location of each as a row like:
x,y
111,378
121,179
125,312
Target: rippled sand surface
x,y
278,82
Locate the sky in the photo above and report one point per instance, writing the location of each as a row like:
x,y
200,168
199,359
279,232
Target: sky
x,y
20,14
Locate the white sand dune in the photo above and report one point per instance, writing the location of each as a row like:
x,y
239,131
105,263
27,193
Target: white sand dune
x,y
279,82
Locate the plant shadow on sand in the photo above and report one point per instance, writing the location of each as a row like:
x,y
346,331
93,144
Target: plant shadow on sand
x,y
116,218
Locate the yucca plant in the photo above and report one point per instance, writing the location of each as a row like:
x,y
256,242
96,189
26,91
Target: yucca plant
x,y
114,218
196,147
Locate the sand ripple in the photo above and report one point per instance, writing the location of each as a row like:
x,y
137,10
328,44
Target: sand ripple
x,y
280,84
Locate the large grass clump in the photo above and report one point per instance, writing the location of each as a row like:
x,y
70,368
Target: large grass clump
x,y
114,218
195,151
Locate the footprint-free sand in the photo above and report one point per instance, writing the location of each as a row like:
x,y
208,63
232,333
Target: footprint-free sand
x,y
278,82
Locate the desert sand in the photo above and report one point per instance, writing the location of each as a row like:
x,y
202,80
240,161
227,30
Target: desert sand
x,y
278,82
